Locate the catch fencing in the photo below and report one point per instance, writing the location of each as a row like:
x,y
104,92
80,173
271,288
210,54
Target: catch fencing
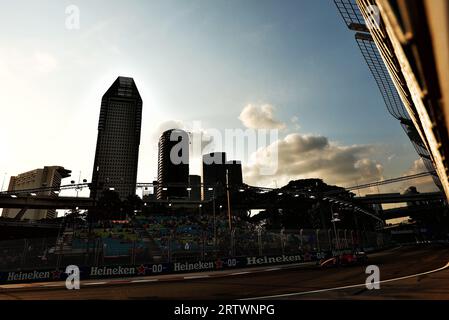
x,y
70,248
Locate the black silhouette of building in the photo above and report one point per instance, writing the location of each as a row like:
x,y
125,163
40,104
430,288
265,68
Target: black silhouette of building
x,y
117,151
235,175
217,173
214,175
195,188
173,165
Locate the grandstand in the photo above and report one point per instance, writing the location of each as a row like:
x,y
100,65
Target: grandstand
x,y
162,238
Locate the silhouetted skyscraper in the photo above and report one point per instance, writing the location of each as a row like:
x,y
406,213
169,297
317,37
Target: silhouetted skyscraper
x,y
214,174
195,186
173,165
117,152
235,175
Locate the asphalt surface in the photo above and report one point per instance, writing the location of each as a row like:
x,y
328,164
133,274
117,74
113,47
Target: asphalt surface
x,y
423,267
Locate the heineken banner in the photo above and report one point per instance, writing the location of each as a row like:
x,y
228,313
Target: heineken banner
x,y
123,271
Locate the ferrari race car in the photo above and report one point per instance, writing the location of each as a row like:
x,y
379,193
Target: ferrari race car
x,y
344,259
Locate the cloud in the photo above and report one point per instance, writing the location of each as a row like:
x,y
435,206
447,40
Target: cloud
x,y
313,156
260,117
199,137
391,157
26,62
44,62
295,121
425,184
167,125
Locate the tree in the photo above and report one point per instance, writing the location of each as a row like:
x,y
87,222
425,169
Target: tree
x,y
108,207
131,204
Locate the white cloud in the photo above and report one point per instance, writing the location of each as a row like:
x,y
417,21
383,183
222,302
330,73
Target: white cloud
x,y
44,62
18,63
425,184
312,156
391,157
295,122
260,117
199,140
167,125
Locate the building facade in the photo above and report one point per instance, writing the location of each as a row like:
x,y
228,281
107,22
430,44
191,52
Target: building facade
x,y
235,174
173,165
195,188
386,62
117,151
214,175
48,177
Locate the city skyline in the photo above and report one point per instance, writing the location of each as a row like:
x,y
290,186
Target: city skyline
x,y
244,91
259,151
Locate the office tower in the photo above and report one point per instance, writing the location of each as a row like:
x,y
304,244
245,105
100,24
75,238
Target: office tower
x,y
48,177
117,152
195,188
235,175
387,65
173,165
214,175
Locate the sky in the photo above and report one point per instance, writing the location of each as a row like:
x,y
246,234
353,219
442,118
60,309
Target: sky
x,y
290,66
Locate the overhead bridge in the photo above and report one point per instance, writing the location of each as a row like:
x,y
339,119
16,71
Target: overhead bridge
x,y
51,202
399,198
45,202
412,211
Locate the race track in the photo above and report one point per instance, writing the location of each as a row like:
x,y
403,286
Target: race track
x,y
422,267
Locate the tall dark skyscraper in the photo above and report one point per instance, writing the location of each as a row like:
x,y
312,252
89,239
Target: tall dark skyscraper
x,y
117,152
217,172
173,165
214,174
235,174
195,186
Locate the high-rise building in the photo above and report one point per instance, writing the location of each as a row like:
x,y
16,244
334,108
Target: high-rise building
x,y
195,188
404,82
217,173
117,152
173,165
235,176
214,175
48,177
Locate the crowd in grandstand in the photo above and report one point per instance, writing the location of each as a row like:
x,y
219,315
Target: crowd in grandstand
x,y
161,237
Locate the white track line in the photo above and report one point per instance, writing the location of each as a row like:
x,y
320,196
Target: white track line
x,y
196,277
13,286
144,280
52,285
348,287
272,269
239,273
94,283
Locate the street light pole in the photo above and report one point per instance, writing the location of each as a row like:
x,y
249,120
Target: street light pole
x,y
334,220
229,200
214,212
215,225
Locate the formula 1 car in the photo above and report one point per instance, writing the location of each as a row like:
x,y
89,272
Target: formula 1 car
x,y
344,259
